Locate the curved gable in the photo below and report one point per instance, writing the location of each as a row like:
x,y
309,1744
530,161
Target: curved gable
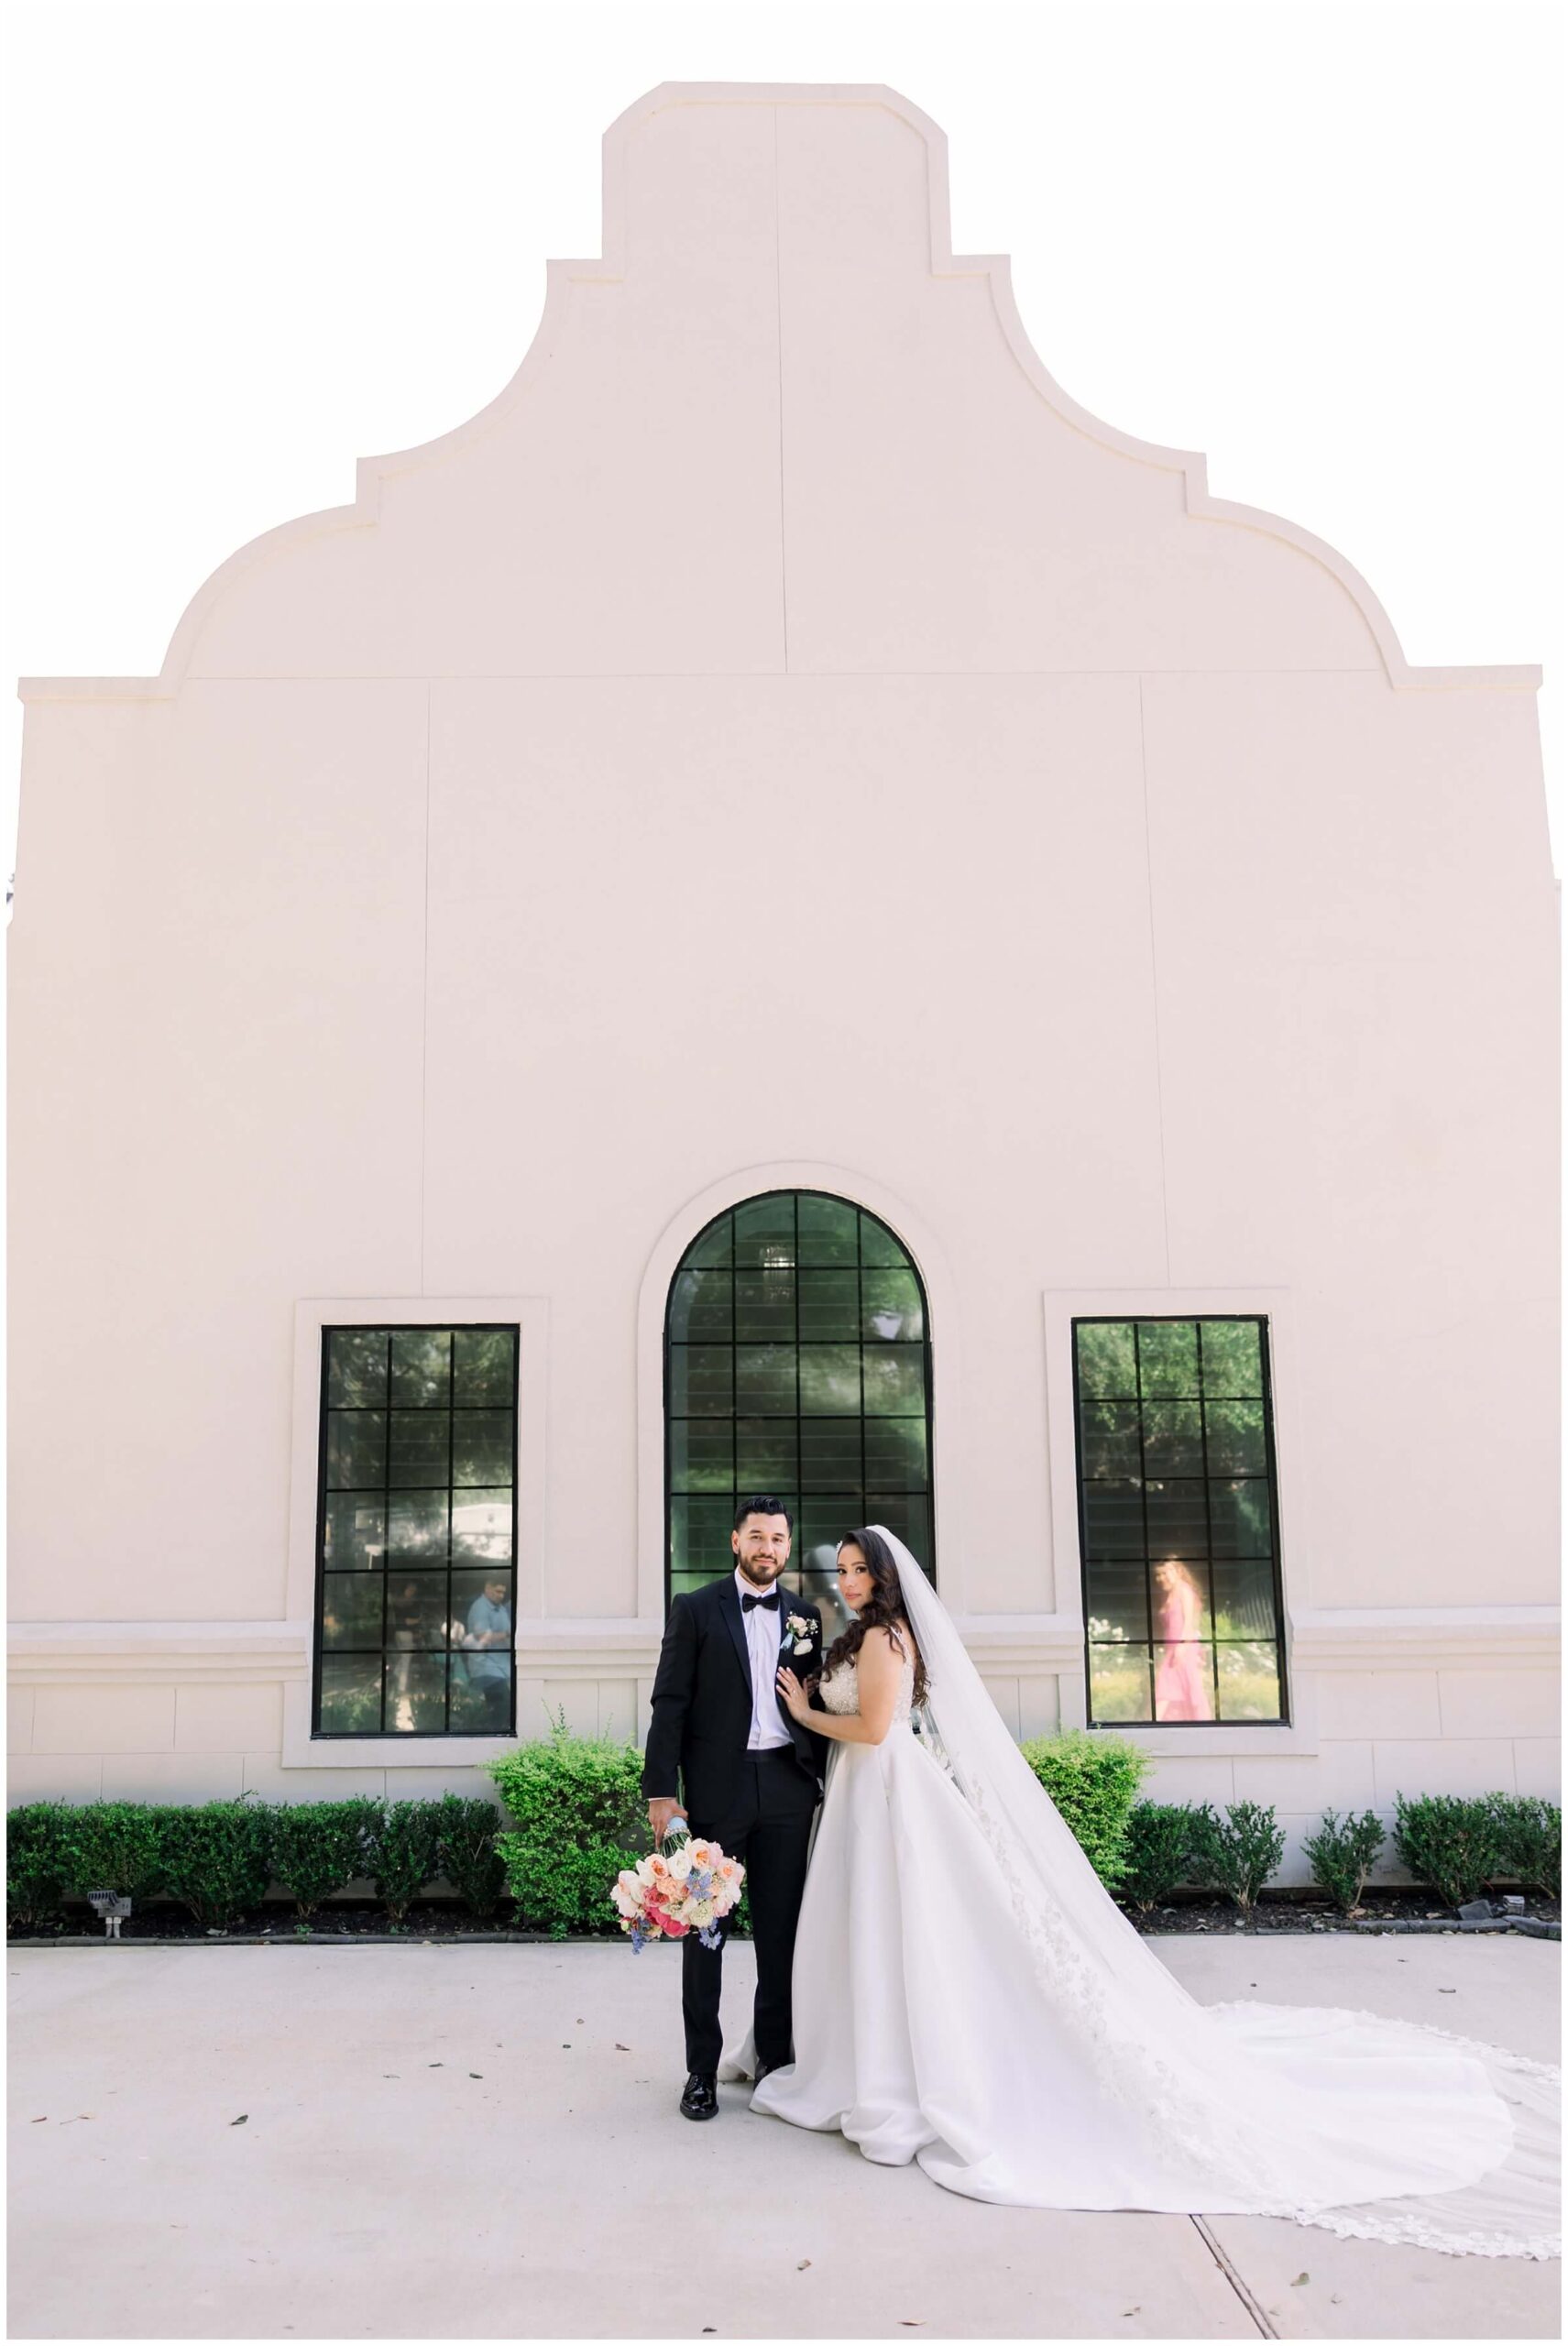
x,y
780,428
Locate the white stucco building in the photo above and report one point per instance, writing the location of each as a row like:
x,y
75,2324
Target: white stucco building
x,y
782,907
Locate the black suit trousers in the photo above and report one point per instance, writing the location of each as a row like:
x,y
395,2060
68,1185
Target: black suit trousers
x,y
767,1824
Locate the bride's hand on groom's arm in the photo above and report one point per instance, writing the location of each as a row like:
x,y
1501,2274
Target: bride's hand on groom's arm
x,y
879,1673
794,1696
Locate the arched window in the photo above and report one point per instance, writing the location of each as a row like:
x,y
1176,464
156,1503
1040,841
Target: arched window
x,y
797,1361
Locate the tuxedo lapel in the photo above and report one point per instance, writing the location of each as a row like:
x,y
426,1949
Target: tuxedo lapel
x,y
789,1660
730,1606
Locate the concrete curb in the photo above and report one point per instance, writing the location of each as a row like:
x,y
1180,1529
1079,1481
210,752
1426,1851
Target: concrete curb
x,y
1528,1925
1525,1925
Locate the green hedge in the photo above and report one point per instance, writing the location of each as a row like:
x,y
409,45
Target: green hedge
x,y
579,1816
1094,1780
574,1816
220,1859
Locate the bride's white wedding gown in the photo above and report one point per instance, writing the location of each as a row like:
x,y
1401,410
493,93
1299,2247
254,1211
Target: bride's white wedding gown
x,y
963,1997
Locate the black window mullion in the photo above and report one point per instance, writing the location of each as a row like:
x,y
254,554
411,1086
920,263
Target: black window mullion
x,y
387,1503
1208,1521
865,1497
450,1503
1144,1511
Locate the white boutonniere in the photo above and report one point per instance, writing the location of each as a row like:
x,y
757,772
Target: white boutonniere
x,y
799,1629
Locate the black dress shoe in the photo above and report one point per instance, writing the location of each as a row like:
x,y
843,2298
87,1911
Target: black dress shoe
x,y
700,2098
764,2068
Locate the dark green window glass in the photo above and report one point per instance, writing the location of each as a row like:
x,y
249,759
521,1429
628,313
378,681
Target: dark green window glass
x,y
417,1531
797,1364
1177,1521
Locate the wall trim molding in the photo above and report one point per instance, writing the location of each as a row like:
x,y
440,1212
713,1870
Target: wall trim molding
x,y
1383,1639
1427,1636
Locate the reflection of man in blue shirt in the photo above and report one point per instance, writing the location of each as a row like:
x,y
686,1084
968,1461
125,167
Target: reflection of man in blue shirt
x,y
487,1640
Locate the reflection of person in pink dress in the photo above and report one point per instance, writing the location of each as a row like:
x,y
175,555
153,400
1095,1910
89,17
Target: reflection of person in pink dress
x,y
1182,1689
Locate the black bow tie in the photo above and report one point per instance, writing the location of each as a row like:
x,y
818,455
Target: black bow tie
x,y
769,1603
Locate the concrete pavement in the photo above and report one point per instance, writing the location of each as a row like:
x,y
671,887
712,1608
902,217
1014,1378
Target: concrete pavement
x,y
450,2142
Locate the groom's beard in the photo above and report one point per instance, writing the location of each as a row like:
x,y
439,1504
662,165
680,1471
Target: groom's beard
x,y
761,1572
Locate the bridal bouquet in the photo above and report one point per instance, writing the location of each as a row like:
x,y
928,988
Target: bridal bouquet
x,y
666,1896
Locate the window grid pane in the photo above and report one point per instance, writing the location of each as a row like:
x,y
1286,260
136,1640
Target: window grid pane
x,y
1179,1521
797,1361
417,1512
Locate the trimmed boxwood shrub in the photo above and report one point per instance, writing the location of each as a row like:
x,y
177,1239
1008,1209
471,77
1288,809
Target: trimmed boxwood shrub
x,y
466,1851
1094,1780
317,1846
1161,1836
1454,1844
215,1857
1239,1851
401,1851
112,1844
1530,1843
577,1806
1342,1855
36,1883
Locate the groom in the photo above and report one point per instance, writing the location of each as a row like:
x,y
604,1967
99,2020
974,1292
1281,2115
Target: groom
x,y
751,1774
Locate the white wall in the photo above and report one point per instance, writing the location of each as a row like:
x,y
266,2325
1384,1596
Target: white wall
x,y
784,674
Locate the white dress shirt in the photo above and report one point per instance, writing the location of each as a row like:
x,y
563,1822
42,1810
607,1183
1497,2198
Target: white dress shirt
x,y
764,1634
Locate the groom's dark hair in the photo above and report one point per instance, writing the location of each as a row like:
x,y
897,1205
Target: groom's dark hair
x,y
762,1505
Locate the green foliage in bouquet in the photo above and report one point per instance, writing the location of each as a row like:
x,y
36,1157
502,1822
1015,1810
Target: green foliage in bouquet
x,y
214,1859
1343,1853
1237,1852
1453,1843
1094,1780
465,1846
317,1846
577,1801
1159,1858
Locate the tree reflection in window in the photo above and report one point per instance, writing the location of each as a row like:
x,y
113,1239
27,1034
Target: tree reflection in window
x,y
798,1363
416,1531
1179,1520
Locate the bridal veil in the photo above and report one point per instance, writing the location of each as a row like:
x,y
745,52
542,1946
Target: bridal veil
x,y
1371,2128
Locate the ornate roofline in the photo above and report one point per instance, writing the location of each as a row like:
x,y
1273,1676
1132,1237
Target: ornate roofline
x,y
609,270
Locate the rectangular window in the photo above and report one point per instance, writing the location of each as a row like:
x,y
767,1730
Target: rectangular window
x,y
416,1531
1179,1521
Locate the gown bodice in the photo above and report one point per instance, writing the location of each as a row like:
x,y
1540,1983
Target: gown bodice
x,y
841,1691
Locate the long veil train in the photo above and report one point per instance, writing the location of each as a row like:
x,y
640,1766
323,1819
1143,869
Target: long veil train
x,y
1371,2128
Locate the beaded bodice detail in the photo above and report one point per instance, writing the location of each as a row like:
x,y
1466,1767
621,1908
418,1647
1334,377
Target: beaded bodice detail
x,y
841,1691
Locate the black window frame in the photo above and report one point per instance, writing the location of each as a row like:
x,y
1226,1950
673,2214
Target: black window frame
x,y
382,1733
795,1574
1261,1320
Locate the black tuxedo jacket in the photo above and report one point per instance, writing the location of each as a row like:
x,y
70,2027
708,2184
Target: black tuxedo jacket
x,y
702,1698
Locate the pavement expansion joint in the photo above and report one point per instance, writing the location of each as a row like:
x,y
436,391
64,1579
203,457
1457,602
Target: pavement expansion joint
x,y
1255,2312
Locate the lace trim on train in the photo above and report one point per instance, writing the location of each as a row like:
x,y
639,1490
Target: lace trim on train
x,y
1415,2225
1240,2162
1237,2159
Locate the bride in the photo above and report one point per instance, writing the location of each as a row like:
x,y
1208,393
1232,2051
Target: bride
x,y
967,1994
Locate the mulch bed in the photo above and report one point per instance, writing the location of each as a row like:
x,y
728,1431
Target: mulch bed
x,y
1302,1912
1298,1913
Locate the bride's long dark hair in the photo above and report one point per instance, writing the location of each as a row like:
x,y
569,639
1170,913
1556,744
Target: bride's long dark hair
x,y
883,1609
